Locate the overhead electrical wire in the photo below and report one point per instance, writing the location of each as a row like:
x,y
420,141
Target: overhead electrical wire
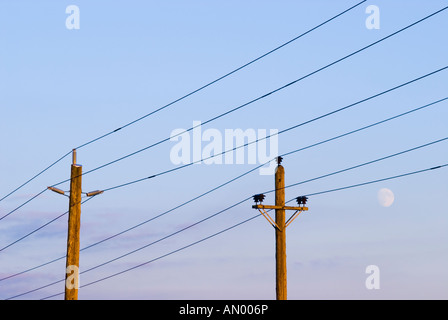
x,y
24,203
41,227
265,95
285,130
58,281
231,180
375,181
268,136
364,164
250,197
312,194
187,95
229,73
289,186
32,178
280,132
229,228
402,30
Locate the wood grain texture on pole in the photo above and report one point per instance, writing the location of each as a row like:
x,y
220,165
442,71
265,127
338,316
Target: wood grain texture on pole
x,y
280,234
74,226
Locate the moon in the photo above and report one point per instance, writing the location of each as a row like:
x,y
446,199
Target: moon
x,y
386,197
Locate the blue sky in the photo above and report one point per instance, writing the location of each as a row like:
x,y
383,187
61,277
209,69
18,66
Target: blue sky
x,y
61,88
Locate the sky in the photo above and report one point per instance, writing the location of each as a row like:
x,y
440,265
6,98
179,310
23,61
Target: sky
x,y
61,87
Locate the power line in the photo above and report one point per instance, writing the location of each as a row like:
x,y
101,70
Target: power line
x,y
244,200
288,186
367,127
47,285
280,132
254,101
288,153
285,130
269,136
227,74
189,94
34,177
375,181
165,255
364,164
295,81
152,260
229,228
291,128
39,228
20,206
311,194
265,95
231,180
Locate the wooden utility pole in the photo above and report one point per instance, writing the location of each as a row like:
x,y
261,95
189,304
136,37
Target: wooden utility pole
x,y
74,226
280,225
280,234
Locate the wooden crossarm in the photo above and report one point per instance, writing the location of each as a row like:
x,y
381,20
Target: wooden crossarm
x,y
262,206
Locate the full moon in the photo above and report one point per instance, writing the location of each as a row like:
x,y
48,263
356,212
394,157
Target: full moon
x,y
385,197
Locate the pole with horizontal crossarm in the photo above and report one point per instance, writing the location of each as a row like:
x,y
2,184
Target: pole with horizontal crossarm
x,y
280,225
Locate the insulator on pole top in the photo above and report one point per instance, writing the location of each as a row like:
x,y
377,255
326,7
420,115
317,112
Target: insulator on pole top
x,y
258,198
